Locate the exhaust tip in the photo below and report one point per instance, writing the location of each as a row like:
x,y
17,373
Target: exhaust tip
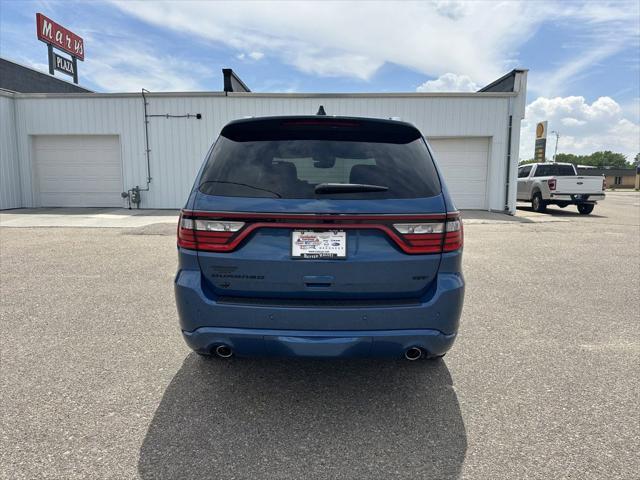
x,y
413,353
224,351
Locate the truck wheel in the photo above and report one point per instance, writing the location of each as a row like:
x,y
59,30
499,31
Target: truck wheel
x,y
538,203
585,208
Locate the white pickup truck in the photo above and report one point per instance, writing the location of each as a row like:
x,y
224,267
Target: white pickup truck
x,y
558,184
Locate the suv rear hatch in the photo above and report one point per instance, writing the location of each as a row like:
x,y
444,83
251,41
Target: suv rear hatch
x,y
306,210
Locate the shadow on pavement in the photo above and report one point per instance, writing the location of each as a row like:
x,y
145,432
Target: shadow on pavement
x,y
569,211
480,216
306,419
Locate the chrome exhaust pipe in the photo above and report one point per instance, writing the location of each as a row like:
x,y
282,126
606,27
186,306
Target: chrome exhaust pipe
x,y
413,353
224,351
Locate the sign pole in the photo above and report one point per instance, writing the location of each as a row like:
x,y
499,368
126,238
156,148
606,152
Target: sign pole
x,y
75,70
50,48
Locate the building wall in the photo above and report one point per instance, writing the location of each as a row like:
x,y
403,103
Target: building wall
x,y
10,191
18,78
178,145
628,181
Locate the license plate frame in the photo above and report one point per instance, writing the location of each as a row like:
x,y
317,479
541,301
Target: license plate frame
x,y
319,244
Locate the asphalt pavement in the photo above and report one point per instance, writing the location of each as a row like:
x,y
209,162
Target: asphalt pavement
x,y
543,381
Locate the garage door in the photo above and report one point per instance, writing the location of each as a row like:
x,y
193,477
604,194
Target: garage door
x,y
464,164
78,170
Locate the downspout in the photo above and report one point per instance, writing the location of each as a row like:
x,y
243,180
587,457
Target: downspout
x,y
17,154
507,183
146,138
133,194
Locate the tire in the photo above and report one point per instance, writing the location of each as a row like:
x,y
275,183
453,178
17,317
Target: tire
x,y
538,204
585,208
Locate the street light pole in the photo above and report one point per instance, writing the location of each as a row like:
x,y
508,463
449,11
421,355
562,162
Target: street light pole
x,y
555,152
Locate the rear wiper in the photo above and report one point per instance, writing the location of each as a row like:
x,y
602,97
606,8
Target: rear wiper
x,y
242,185
348,188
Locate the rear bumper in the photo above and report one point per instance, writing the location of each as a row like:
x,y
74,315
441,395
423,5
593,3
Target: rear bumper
x,y
577,198
321,331
318,344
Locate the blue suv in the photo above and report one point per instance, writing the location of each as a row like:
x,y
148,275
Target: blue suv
x,y
323,237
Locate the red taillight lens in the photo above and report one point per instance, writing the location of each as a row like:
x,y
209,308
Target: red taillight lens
x,y
552,184
206,234
454,236
414,234
432,237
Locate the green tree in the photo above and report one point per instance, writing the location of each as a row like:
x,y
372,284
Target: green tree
x,y
601,159
607,159
531,160
570,158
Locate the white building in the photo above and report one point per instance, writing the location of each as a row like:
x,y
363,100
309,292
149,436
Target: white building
x,y
84,149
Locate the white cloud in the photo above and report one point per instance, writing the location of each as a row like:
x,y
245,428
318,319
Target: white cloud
x,y
584,128
252,55
553,82
600,30
354,39
449,82
128,69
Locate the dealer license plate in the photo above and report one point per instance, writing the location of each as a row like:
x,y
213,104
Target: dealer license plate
x,y
319,244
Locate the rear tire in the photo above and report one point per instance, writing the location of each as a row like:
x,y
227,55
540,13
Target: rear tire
x,y
538,204
585,208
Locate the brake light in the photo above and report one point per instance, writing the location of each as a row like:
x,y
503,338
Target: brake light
x,y
454,236
414,234
552,184
320,123
205,234
432,237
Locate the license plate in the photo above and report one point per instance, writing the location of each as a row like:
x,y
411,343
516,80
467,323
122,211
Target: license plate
x,y
319,244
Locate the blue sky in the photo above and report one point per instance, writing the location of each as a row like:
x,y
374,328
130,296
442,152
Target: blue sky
x,y
583,57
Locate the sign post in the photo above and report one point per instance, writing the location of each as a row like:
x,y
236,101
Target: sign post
x,y
540,154
55,35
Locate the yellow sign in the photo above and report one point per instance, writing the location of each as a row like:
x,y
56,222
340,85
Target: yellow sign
x,y
541,130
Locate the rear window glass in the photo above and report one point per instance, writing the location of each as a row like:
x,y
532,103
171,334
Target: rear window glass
x,y
275,166
554,169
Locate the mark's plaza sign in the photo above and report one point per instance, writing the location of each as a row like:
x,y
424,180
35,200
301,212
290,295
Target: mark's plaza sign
x,y
55,35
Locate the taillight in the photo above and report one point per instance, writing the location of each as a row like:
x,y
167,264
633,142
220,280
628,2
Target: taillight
x,y
432,237
414,234
206,234
454,236
552,184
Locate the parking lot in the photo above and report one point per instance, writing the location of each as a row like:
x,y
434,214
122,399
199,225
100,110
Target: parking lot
x,y
543,381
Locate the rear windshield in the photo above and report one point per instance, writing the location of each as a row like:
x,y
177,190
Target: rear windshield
x,y
554,169
289,161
